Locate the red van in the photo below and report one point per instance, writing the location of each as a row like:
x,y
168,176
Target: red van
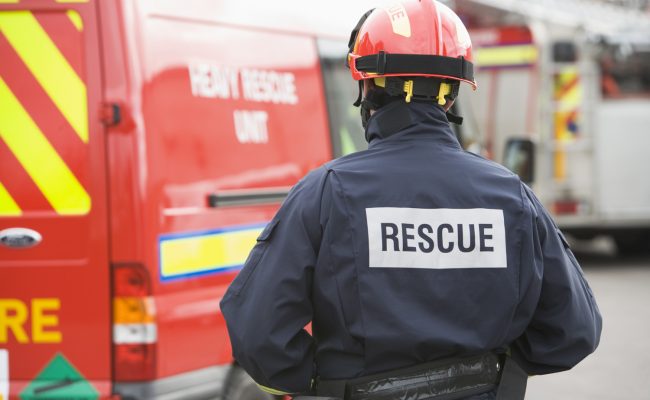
x,y
143,147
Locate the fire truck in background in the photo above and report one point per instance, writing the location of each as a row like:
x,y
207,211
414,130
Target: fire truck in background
x,y
143,147
564,101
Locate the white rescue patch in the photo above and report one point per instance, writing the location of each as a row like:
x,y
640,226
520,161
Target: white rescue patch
x,y
4,374
442,238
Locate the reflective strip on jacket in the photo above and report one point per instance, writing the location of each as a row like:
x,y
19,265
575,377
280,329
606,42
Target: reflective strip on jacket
x,y
411,251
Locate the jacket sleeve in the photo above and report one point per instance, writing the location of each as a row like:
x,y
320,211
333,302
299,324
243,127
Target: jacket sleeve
x,y
566,323
269,303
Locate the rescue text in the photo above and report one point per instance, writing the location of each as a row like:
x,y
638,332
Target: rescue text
x,y
441,238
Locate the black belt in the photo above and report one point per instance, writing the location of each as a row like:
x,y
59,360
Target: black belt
x,y
444,380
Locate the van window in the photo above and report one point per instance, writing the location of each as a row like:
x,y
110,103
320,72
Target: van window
x,y
341,91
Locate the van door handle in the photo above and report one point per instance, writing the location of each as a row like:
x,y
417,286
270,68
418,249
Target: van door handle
x,y
20,238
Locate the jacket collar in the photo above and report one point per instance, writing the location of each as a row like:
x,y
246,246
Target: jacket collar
x,y
400,119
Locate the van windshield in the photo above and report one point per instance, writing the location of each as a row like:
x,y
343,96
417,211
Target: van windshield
x,y
625,71
341,91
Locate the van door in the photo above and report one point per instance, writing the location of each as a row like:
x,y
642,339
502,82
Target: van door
x,y
54,276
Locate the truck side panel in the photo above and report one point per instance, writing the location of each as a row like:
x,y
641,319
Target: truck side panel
x,y
218,122
622,160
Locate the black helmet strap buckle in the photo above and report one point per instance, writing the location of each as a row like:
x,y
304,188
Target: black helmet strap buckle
x,y
381,63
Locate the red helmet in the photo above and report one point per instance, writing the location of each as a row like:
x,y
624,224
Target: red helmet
x,y
411,38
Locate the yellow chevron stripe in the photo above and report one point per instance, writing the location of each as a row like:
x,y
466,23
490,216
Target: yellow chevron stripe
x,y
573,97
567,74
48,66
75,18
41,161
9,1
8,207
208,252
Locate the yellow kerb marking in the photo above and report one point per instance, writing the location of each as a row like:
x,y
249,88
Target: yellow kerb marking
x,y
203,253
75,18
8,2
49,67
41,161
8,206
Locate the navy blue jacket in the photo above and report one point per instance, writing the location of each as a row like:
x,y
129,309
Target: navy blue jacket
x,y
411,251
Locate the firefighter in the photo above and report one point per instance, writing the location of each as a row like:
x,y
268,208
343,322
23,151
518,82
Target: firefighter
x,y
425,270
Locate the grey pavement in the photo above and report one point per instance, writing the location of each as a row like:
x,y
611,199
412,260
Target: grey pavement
x,y
620,367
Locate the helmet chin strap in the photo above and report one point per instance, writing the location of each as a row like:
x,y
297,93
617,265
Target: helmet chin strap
x,y
374,99
454,119
365,116
357,103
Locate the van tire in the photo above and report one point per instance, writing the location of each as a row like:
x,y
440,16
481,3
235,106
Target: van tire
x,y
240,386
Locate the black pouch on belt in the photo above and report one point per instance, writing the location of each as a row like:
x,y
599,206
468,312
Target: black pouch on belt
x,y
447,379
